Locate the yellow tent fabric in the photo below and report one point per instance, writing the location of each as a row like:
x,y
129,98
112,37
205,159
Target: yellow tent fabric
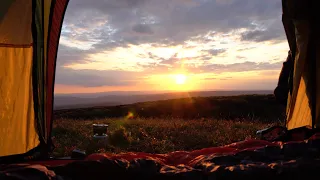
x,y
17,123
299,105
303,106
29,37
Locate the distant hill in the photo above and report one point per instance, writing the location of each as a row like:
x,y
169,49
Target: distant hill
x,y
122,98
247,107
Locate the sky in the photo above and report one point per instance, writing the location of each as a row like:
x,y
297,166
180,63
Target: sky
x,y
170,45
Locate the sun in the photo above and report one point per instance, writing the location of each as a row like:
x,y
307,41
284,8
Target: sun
x,y
180,79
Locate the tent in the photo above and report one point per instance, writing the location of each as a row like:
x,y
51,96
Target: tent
x,y
29,37
300,24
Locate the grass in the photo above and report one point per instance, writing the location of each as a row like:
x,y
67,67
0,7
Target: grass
x,y
152,135
167,125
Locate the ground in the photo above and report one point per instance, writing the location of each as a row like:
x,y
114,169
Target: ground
x,y
133,132
151,135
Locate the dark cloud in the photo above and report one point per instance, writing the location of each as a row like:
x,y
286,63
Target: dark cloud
x,y
204,58
112,6
215,52
172,21
68,55
142,28
273,34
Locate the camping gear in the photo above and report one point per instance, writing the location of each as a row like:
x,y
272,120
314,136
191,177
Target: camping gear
x,y
274,133
100,135
100,129
78,154
29,37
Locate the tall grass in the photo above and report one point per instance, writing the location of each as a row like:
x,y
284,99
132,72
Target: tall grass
x,y
152,135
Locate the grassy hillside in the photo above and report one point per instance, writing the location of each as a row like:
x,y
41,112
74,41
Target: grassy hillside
x,y
262,107
74,101
164,126
151,135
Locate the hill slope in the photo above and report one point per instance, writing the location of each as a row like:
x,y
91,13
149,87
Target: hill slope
x,y
263,107
121,98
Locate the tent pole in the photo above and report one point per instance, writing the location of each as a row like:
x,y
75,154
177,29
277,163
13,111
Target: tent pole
x,y
313,37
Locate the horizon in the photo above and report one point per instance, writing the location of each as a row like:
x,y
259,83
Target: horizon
x,y
174,46
162,92
67,101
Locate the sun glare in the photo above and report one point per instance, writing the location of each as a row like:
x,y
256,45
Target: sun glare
x,y
181,79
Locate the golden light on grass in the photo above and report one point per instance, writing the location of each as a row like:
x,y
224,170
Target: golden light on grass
x,y
180,79
130,115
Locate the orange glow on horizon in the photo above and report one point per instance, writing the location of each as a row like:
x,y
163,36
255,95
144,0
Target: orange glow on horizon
x,y
182,81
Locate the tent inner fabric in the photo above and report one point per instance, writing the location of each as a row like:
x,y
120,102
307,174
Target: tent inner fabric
x,y
17,119
29,38
303,100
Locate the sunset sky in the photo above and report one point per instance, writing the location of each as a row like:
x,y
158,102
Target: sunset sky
x,y
178,45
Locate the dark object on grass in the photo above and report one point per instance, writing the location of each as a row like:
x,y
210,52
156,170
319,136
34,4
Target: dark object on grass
x,y
100,129
78,154
275,133
279,133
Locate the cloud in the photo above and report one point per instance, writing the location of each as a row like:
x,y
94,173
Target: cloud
x,y
210,78
245,49
241,67
171,61
240,57
210,67
69,55
142,28
95,78
105,26
260,36
173,21
216,52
